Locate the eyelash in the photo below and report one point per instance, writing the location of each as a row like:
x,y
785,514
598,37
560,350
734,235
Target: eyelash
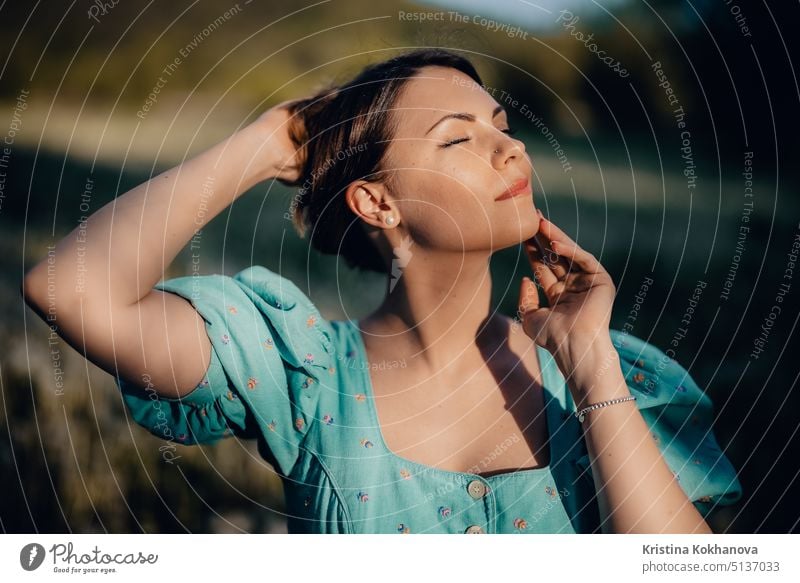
x,y
509,131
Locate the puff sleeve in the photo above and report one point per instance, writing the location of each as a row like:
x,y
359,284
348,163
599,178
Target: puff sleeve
x,y
680,416
270,357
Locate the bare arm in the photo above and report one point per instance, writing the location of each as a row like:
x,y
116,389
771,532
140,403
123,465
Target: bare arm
x,y
637,492
114,317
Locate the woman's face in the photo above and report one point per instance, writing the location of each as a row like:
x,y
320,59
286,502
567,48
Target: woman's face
x,y
451,172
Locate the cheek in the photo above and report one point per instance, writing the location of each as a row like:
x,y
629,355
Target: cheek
x,y
443,211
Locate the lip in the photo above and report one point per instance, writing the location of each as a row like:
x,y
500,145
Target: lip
x,y
517,188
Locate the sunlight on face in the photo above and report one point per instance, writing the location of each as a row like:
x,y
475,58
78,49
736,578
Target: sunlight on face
x,y
450,172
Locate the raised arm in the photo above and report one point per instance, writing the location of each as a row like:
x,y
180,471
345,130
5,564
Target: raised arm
x,y
637,492
114,317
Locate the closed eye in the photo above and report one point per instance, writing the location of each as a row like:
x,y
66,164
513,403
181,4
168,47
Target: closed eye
x,y
508,131
453,142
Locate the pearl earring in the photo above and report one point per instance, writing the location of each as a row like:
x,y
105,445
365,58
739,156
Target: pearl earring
x,y
389,220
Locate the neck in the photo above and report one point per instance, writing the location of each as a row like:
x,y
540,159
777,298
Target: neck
x,y
436,311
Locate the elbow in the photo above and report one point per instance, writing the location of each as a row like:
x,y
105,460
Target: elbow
x,y
38,291
31,288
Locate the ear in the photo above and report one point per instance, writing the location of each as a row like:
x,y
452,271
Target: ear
x,y
370,201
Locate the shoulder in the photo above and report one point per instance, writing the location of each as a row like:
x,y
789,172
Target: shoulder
x,y
257,307
654,376
680,416
276,289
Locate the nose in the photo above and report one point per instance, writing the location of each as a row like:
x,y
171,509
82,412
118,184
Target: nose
x,y
508,150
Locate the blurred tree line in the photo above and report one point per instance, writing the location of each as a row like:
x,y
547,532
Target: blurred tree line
x,y
74,462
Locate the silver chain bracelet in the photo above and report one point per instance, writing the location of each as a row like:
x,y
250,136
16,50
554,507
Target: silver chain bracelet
x,y
582,413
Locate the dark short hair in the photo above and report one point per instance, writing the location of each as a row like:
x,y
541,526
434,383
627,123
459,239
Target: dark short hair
x,y
342,134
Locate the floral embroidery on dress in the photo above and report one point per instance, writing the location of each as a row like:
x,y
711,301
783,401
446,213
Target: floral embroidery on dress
x,y
305,393
202,384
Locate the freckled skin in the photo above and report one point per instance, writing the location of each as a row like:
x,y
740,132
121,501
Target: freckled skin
x,y
446,196
443,200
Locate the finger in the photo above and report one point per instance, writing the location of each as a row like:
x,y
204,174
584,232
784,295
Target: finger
x,y
549,256
558,265
579,256
544,275
533,317
551,231
528,297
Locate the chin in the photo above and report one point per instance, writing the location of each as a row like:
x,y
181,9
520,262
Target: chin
x,y
508,233
508,239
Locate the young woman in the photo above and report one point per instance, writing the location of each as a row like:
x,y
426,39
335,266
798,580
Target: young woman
x,y
409,169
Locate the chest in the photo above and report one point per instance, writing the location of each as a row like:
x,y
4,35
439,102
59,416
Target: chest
x,y
491,422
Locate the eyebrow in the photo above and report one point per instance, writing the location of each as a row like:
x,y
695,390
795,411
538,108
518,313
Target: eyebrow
x,y
464,116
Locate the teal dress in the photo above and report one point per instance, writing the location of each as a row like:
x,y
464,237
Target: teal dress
x,y
298,384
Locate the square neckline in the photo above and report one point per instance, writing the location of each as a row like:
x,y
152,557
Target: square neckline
x,y
373,411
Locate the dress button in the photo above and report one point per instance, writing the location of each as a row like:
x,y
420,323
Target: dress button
x,y
476,489
474,529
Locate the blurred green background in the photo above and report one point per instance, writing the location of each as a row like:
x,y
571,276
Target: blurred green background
x,y
74,461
